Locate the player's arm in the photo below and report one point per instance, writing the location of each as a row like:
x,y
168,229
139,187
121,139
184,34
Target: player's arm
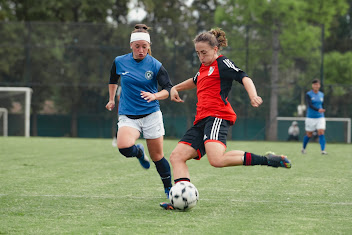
x,y
248,84
310,104
112,87
164,81
185,85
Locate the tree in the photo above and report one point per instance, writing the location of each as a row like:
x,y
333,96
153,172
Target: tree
x,y
51,46
288,21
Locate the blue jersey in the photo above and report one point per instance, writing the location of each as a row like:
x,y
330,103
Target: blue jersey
x,y
136,77
314,102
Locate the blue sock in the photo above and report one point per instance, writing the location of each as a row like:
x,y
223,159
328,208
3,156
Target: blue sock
x,y
322,142
132,151
163,168
305,141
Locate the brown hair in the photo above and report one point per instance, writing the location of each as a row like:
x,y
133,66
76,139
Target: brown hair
x,y
215,37
144,29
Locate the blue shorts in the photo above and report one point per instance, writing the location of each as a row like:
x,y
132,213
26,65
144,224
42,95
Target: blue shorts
x,y
209,129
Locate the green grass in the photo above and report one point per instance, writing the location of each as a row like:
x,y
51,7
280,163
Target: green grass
x,y
84,186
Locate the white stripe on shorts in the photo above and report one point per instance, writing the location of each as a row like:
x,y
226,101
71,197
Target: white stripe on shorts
x,y
214,134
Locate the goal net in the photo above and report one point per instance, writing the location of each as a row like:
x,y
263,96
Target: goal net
x,y
337,129
15,105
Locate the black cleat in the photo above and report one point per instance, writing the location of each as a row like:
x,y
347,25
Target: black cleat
x,y
278,160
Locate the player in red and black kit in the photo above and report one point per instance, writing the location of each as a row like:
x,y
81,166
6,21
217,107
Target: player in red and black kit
x,y
214,113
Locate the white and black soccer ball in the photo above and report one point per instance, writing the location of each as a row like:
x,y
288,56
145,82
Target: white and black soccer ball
x,y
183,195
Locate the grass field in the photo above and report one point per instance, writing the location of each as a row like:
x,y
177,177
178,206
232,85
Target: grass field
x,y
84,186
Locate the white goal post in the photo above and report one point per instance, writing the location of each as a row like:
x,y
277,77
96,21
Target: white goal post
x,y
348,120
27,107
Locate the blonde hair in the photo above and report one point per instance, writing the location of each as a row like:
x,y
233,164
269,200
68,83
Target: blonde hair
x,y
144,29
215,37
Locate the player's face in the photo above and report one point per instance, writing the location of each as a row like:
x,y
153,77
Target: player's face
x,y
140,49
316,87
206,53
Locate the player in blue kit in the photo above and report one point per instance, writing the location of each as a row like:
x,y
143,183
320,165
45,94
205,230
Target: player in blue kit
x,y
138,108
315,119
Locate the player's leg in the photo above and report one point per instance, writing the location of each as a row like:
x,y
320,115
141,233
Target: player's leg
x,y
153,132
156,153
310,126
321,133
182,153
215,134
127,135
217,157
191,146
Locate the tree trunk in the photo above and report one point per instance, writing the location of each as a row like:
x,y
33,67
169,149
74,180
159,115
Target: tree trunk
x,y
272,127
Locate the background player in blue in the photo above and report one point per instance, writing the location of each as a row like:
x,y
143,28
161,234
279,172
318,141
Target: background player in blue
x,y
315,119
139,110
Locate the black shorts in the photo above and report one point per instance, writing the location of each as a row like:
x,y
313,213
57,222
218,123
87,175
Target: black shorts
x,y
209,129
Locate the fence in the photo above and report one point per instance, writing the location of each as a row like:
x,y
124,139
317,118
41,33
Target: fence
x,y
68,65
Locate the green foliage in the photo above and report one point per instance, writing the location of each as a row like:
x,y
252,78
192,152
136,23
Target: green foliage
x,y
84,186
63,49
339,68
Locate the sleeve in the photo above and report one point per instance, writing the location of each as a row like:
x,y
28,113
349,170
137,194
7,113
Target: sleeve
x,y
163,79
230,71
309,103
114,78
196,76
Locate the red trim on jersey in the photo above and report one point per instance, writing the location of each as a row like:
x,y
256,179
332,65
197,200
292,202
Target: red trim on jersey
x,y
210,103
217,141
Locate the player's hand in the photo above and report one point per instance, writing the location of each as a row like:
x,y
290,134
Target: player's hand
x,y
256,101
321,110
110,105
148,96
174,96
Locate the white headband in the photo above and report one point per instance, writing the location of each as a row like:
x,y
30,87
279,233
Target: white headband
x,y
140,36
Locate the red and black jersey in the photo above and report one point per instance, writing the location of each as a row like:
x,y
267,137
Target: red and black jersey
x,y
214,83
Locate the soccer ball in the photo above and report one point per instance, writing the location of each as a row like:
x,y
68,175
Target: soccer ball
x,y
183,195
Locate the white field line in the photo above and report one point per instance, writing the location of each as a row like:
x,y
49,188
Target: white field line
x,y
202,199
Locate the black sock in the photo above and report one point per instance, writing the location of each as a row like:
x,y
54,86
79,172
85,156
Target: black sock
x,y
163,168
251,159
182,179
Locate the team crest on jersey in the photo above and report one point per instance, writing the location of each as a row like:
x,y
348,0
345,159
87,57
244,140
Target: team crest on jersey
x,y
148,75
211,70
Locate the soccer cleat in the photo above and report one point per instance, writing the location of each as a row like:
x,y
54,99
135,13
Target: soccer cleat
x,y
278,161
167,206
144,161
167,190
303,151
324,152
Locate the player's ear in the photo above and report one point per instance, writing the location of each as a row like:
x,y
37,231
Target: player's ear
x,y
216,49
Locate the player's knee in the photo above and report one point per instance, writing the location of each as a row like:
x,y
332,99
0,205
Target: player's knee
x,y
215,162
177,157
320,132
174,157
127,152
